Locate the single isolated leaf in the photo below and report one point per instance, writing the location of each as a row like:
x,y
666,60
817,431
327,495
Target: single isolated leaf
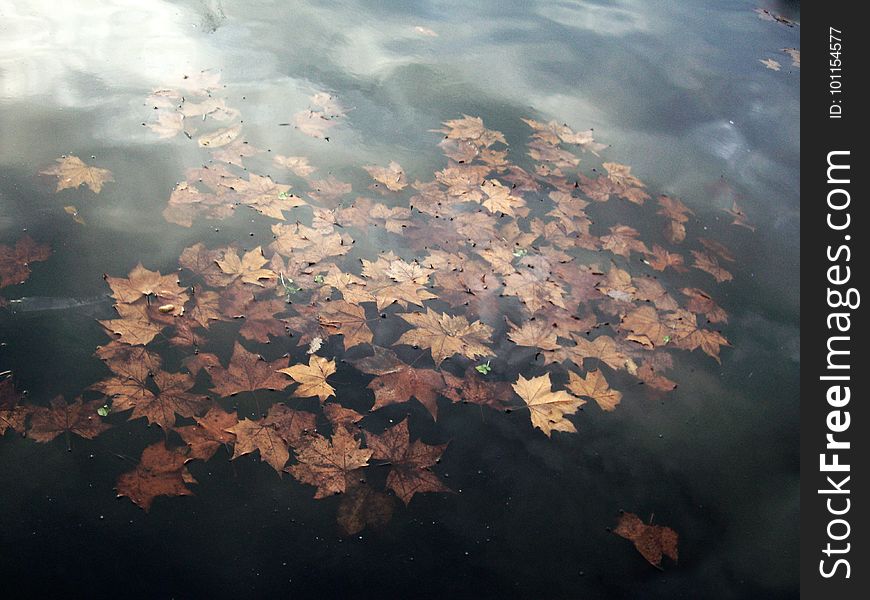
x,y
72,172
362,507
160,472
312,378
652,541
546,407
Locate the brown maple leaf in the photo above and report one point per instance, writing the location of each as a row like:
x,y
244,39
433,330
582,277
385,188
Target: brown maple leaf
x,y
15,260
260,321
392,177
594,386
272,435
471,388
72,172
142,283
547,408
660,259
248,268
446,335
362,506
134,326
247,372
80,418
209,433
534,288
710,264
312,378
410,463
298,164
326,463
342,318
652,541
701,303
160,472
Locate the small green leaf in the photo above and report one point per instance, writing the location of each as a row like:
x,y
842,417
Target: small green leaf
x,y
283,195
103,411
667,339
483,369
318,279
520,252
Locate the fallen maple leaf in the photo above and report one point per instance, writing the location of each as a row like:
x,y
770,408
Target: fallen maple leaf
x,y
410,464
652,541
596,387
312,378
246,372
209,433
349,321
392,176
72,172
446,335
362,506
160,472
326,463
547,408
248,268
272,435
46,423
15,260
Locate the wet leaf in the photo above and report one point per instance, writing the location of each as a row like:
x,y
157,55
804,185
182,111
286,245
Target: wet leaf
x,y
652,541
446,335
547,408
247,372
160,472
15,260
327,463
72,172
594,386
312,378
410,463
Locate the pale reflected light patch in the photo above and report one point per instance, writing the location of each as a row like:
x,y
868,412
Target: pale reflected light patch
x,y
55,50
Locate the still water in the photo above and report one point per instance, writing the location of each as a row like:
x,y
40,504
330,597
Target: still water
x,y
675,90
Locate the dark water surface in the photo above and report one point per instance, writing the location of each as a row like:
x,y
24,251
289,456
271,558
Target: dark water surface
x,y
675,90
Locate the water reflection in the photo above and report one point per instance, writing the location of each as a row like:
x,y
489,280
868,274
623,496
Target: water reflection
x,y
664,85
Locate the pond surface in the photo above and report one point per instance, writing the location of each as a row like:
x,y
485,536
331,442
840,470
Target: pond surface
x,y
498,224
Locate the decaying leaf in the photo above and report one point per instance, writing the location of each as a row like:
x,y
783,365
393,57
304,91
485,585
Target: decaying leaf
x,y
72,172
410,463
652,541
15,260
160,472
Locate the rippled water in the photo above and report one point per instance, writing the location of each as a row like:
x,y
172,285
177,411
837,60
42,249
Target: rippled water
x,y
675,90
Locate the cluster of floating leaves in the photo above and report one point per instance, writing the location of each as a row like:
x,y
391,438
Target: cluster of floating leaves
x,y
496,267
